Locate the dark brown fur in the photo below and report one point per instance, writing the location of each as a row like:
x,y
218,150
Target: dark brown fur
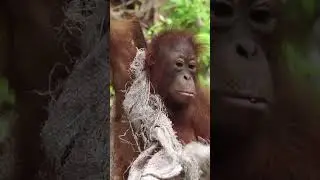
x,y
125,36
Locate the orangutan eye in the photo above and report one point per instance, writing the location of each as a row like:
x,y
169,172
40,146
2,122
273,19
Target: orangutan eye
x,y
223,9
192,65
179,63
262,16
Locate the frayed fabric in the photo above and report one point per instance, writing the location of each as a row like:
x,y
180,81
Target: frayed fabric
x,y
163,156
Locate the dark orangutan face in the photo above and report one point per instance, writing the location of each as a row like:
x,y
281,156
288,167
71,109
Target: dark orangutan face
x,y
241,73
242,85
174,71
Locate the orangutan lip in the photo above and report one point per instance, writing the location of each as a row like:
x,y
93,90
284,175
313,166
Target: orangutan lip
x,y
249,98
185,93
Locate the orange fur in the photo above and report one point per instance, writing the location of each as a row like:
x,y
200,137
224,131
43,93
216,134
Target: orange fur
x,y
125,37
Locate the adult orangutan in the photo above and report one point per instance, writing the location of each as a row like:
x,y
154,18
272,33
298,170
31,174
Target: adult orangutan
x,y
263,127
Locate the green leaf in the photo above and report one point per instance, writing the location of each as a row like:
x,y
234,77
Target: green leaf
x,y
309,7
6,95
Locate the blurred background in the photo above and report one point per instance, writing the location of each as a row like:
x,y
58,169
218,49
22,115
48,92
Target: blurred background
x,y
300,46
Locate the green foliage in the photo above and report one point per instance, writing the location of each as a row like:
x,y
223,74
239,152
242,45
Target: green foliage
x,y
5,95
193,15
7,99
309,7
112,92
299,65
297,62
297,50
300,9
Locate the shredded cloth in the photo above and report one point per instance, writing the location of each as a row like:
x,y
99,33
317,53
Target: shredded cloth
x,y
76,135
163,156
